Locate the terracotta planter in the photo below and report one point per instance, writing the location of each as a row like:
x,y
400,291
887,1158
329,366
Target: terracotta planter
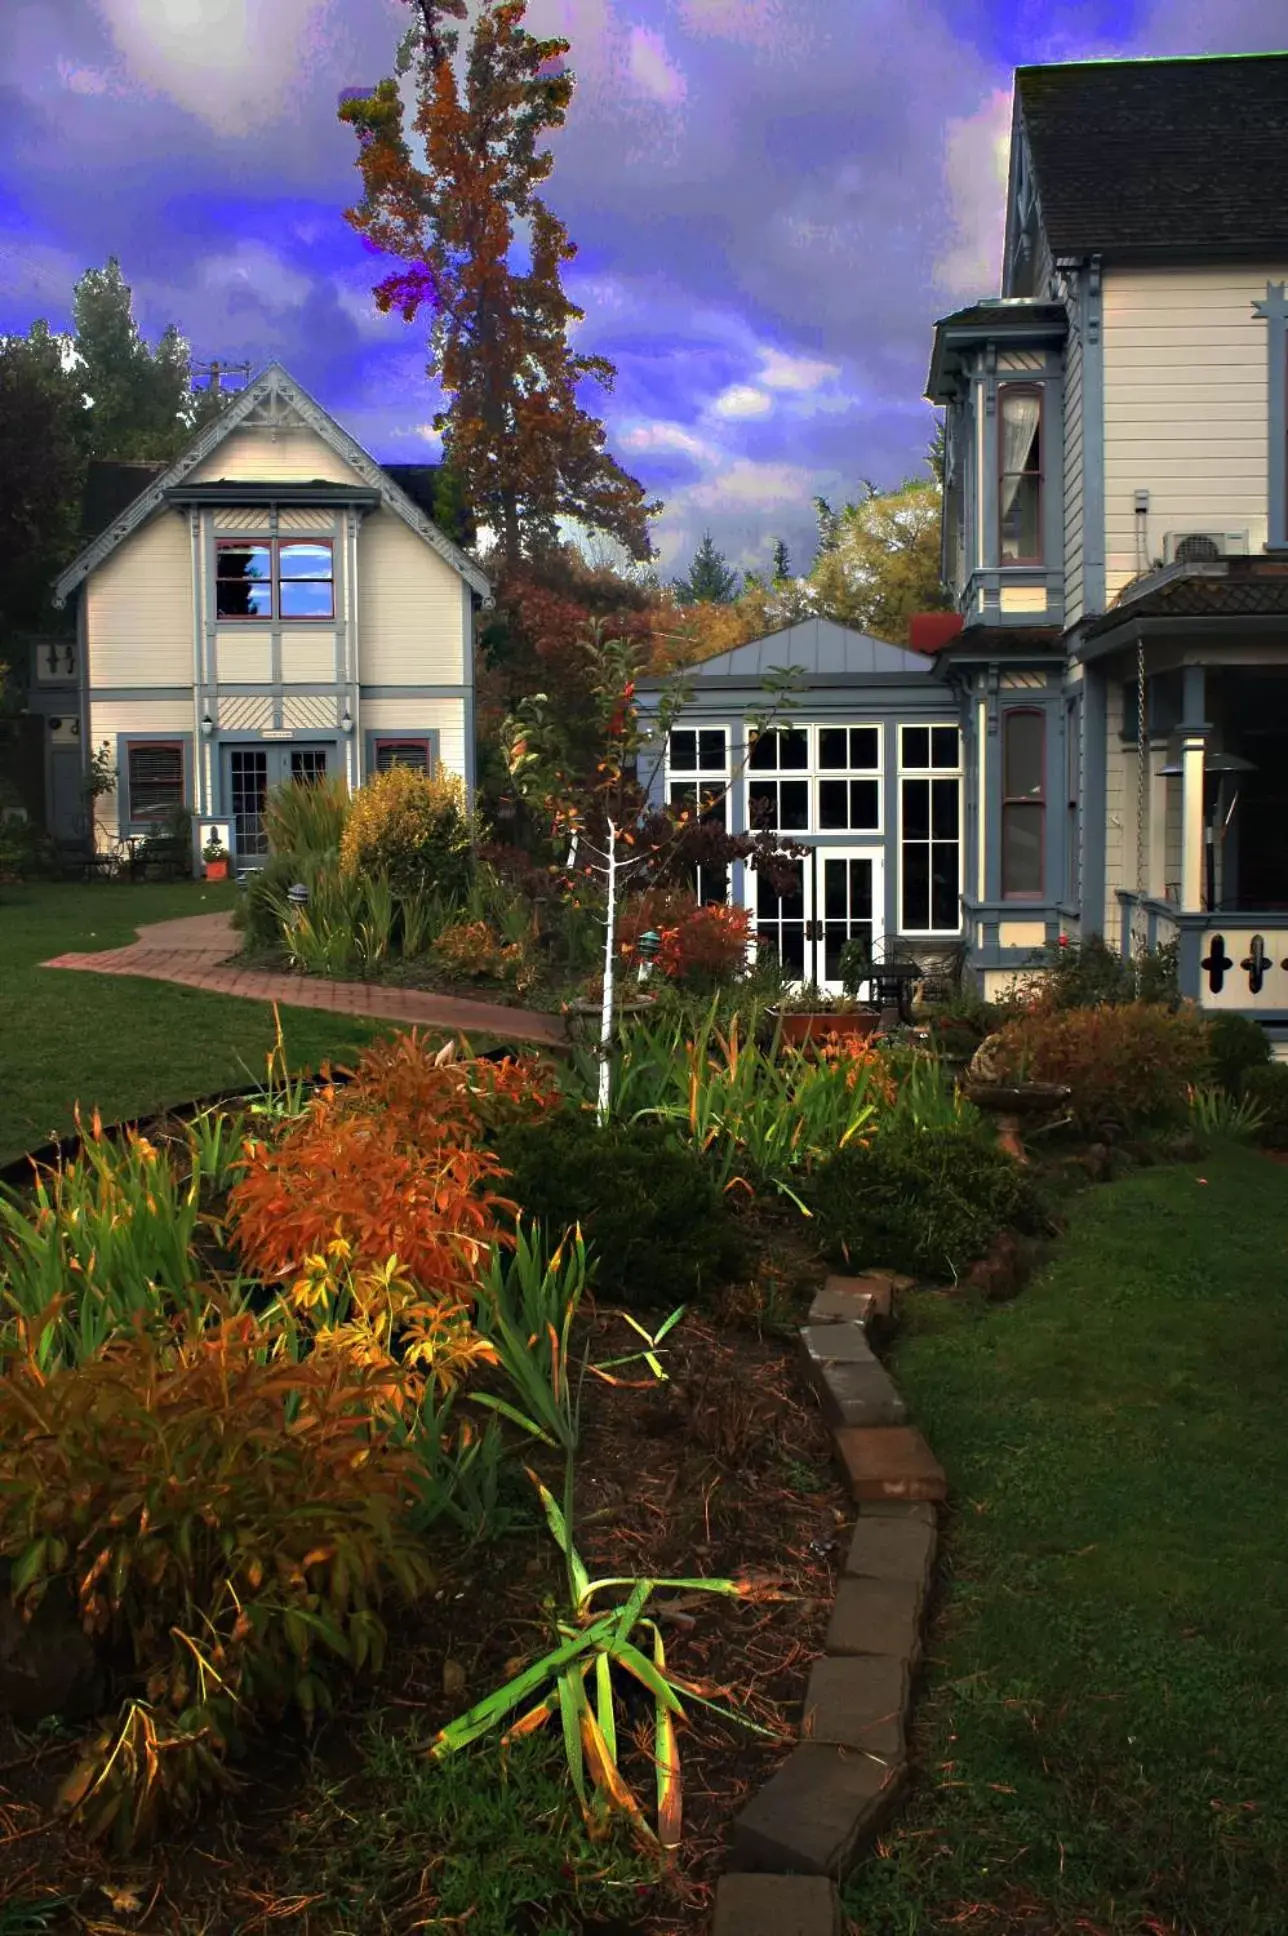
x,y
811,1025
216,870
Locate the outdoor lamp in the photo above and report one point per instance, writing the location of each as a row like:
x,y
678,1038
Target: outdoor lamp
x,y
346,724
207,724
298,896
647,947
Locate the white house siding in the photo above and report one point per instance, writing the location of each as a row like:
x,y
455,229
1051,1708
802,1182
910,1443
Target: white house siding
x,y
139,608
411,629
1185,363
110,717
243,658
1073,478
308,658
446,717
292,454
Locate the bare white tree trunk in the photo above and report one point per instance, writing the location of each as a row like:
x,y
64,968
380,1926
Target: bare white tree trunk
x,y
610,951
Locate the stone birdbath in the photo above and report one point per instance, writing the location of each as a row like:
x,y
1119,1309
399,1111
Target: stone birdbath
x,y
1011,1103
1012,1098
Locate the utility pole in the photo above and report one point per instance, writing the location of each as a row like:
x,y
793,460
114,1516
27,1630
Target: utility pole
x,y
217,371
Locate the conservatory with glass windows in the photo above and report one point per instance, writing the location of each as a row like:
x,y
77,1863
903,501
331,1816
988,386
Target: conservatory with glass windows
x,y
862,765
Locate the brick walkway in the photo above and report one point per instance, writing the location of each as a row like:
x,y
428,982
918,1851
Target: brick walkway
x,y
195,952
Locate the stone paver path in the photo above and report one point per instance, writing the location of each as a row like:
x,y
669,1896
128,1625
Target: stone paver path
x,y
195,951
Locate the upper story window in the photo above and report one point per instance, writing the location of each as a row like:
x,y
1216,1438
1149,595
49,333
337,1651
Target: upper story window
x,y
287,578
1020,473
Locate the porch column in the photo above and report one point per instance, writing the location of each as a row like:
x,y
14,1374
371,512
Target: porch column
x,y
1193,735
1156,877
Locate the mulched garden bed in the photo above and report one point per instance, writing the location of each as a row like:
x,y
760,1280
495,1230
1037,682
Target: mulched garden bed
x,y
724,1469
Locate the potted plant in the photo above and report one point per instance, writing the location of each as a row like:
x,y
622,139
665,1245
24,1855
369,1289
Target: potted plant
x,y
807,1014
215,856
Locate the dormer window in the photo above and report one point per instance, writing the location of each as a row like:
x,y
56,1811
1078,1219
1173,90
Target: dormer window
x,y
1020,479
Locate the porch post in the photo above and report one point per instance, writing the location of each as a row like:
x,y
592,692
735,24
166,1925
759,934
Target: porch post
x,y
1193,734
1156,878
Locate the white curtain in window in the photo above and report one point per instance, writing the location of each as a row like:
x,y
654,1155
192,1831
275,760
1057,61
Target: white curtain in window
x,y
1020,416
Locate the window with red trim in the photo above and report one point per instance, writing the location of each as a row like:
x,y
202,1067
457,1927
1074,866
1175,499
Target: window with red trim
x,y
1023,804
416,753
1019,456
294,577
155,783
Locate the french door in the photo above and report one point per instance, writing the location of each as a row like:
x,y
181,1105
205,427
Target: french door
x,y
250,770
836,897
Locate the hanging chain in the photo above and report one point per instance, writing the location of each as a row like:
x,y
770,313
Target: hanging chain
x,y
1142,774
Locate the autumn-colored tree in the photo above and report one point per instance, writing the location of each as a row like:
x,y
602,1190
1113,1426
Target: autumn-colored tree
x,y
878,560
524,450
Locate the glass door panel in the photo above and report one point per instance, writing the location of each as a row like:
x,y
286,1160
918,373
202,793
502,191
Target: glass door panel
x,y
247,786
847,910
780,919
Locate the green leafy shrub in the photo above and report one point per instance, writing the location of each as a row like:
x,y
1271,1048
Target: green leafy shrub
x,y
1267,1089
646,1202
412,828
1091,974
925,1201
1125,1066
1237,1044
259,913
307,816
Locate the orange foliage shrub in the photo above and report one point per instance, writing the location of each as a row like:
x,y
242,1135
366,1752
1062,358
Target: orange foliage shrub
x,y
235,1517
392,1165
1127,1064
700,945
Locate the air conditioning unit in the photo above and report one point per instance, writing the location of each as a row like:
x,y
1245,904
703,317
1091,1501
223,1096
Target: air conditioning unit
x,y
1203,547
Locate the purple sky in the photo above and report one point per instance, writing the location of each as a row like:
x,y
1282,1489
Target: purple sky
x,y
773,200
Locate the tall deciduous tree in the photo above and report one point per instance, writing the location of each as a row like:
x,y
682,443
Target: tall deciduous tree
x,y
525,451
42,462
711,579
878,560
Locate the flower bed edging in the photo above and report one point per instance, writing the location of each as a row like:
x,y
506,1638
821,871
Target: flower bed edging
x,y
802,1833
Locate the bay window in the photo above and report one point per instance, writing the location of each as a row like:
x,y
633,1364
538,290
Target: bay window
x,y
1023,804
1019,411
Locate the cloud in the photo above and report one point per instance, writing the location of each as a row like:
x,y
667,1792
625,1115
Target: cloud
x,y
234,64
742,400
976,163
782,372
749,485
657,438
84,80
651,68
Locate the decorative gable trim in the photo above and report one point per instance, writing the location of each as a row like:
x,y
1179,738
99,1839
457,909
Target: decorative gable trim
x,y
272,401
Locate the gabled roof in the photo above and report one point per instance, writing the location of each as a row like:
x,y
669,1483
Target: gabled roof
x,y
275,390
1161,158
819,649
111,486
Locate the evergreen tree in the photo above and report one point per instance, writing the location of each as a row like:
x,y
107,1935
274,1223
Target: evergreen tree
x,y
782,565
711,579
142,402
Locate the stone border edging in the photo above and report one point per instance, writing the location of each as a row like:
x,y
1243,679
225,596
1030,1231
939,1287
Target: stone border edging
x,y
799,1837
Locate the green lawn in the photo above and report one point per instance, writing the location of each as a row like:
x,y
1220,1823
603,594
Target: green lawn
x,y
129,1046
1100,1741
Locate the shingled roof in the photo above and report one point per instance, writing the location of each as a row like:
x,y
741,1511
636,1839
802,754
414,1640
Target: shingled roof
x,y
1160,157
1241,588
